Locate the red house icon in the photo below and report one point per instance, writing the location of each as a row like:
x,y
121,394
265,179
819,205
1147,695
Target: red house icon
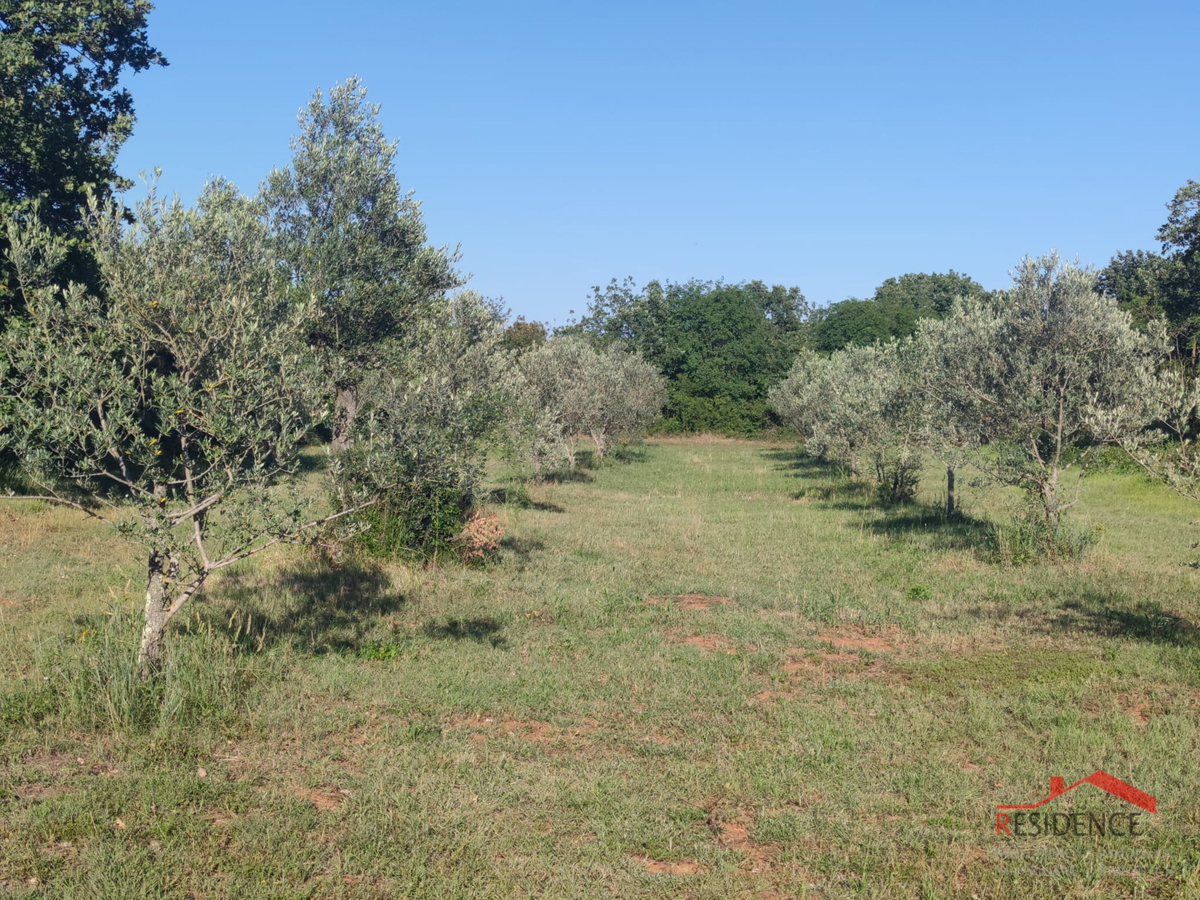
x,y
1102,780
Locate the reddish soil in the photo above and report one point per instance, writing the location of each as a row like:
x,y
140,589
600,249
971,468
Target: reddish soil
x,y
324,799
855,640
1140,713
683,867
734,834
819,664
710,643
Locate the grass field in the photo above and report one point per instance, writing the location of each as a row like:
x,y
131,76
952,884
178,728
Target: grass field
x,y
717,672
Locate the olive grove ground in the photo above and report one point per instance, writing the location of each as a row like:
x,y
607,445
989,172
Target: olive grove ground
x,y
720,671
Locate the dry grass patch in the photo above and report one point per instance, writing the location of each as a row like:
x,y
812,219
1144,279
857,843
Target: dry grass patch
x,y
691,601
483,728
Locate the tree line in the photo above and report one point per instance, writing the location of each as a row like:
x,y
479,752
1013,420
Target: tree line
x,y
1026,385
166,368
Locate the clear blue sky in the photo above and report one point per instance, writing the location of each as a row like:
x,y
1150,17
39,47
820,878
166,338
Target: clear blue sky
x,y
827,145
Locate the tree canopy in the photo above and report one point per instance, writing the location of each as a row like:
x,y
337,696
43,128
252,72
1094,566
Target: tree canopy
x,y
63,113
349,237
1165,286
892,312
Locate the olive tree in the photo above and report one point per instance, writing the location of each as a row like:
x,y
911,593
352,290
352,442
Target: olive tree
x,y
557,395
857,408
1167,451
573,389
174,408
1021,379
428,423
354,242
623,394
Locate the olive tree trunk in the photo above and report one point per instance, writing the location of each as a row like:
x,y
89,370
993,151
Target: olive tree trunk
x,y
345,408
157,611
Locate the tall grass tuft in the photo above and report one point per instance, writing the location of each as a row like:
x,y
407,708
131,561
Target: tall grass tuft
x,y
1027,536
91,681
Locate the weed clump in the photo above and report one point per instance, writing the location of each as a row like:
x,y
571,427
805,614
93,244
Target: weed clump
x,y
1028,536
415,521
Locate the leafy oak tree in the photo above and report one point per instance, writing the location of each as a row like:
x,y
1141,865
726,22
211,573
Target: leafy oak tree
x,y
64,116
892,312
353,241
175,407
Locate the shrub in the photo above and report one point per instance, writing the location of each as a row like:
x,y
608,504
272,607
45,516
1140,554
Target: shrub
x,y
418,520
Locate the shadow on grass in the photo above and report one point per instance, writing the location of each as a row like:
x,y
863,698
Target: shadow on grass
x,y
482,630
629,453
521,500
830,485
930,525
313,459
566,476
1114,615
800,464
315,607
521,548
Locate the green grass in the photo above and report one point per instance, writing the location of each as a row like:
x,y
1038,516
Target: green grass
x,y
838,718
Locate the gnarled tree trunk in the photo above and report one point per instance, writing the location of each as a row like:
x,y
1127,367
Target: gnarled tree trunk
x,y
345,408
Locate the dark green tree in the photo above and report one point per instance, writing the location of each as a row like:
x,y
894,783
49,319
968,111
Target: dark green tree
x,y
64,116
719,345
1165,286
851,323
893,311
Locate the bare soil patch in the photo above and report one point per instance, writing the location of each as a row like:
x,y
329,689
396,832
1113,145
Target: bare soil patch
x,y
39,792
733,832
484,727
855,639
53,763
1140,713
683,867
710,643
325,799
